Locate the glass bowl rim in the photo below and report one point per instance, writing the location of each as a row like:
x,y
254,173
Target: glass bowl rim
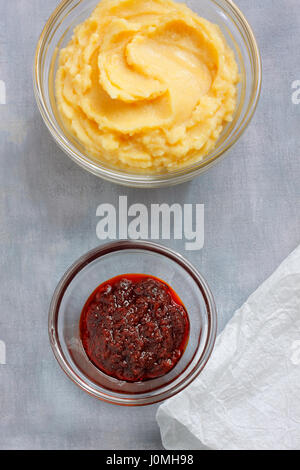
x,y
142,180
98,252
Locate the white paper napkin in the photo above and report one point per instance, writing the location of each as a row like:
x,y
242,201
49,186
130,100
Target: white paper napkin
x,y
248,396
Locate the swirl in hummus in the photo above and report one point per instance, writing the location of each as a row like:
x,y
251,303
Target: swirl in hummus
x,y
146,85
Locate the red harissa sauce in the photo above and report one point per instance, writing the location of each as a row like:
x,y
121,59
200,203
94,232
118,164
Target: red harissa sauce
x,y
134,327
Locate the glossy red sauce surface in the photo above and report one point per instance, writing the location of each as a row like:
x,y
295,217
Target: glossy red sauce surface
x,y
134,327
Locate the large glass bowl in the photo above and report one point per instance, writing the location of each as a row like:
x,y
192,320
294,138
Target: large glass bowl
x,y
102,264
58,32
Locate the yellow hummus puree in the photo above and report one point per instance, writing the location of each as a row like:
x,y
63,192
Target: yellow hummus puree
x,y
146,85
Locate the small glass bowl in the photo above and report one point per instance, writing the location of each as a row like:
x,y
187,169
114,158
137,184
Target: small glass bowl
x,y
106,262
58,32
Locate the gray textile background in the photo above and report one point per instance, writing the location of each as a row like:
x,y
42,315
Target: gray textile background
x,y
48,219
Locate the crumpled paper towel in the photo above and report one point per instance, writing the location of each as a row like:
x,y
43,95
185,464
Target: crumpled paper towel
x,y
248,396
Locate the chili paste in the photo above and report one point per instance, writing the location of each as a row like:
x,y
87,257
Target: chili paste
x,y
134,327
